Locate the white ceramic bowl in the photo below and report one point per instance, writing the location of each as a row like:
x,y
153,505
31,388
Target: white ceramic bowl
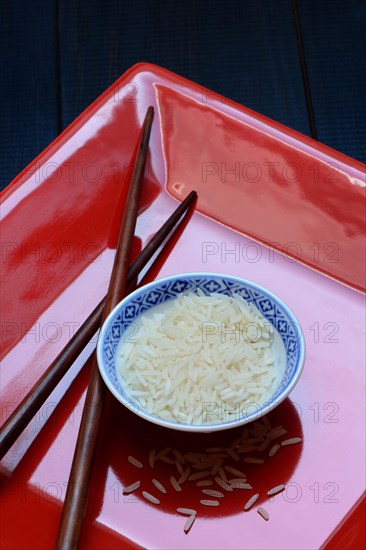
x,y
288,344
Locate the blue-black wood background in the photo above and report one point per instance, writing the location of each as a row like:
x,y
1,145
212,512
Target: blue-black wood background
x,y
300,62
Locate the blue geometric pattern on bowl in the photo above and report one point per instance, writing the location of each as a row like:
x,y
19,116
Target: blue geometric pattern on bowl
x,y
160,291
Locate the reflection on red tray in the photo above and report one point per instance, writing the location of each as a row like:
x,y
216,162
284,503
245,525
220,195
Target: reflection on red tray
x,y
61,219
278,189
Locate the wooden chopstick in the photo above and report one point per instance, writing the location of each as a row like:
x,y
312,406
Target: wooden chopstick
x,y
38,394
78,485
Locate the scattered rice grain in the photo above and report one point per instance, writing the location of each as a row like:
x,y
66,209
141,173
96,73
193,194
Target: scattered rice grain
x,y
164,452
234,471
275,429
216,467
245,486
274,449
291,441
187,511
251,501
204,465
175,484
159,486
167,460
198,456
135,462
233,454
223,485
131,487
211,493
262,512
205,483
210,502
150,497
246,449
185,476
189,523
179,467
264,445
254,440
198,475
222,474
192,459
277,434
275,490
237,480
252,460
178,456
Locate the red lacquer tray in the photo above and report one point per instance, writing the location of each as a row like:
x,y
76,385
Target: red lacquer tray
x,y
271,203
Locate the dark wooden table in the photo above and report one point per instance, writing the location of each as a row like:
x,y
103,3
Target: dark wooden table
x,y
301,63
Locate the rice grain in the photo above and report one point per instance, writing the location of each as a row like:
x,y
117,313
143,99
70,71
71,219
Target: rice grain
x,y
223,484
216,467
264,445
222,474
164,452
204,465
175,484
178,456
131,487
233,454
135,462
246,449
262,512
275,490
234,471
187,511
150,497
237,480
189,523
291,441
274,449
251,501
185,476
167,460
211,493
210,502
159,486
244,486
277,434
199,475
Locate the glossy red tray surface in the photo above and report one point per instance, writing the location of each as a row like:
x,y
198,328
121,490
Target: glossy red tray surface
x,y
282,201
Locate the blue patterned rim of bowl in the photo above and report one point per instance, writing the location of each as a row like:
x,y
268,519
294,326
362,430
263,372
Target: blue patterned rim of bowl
x,y
289,337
